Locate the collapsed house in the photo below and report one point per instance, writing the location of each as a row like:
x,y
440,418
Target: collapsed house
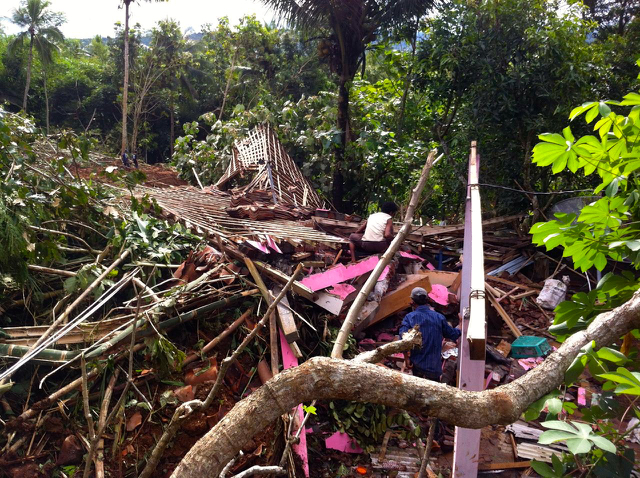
x,y
263,220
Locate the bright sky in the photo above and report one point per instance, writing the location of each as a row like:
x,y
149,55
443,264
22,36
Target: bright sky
x,y
86,18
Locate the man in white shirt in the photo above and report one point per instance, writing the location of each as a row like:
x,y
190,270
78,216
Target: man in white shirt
x,y
378,231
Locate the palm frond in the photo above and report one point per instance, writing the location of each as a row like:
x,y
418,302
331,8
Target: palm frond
x,y
53,34
16,43
44,48
304,14
397,12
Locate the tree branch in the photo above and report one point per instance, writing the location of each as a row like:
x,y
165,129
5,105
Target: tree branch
x,y
330,379
413,338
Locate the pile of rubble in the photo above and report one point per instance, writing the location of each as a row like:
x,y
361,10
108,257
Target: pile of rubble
x,y
259,237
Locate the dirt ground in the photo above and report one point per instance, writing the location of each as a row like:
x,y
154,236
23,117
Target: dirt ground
x,y
157,175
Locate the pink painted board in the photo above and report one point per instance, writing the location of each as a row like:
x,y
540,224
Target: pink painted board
x,y
342,290
339,273
288,361
259,246
582,397
272,244
385,337
430,266
384,274
408,255
342,442
488,381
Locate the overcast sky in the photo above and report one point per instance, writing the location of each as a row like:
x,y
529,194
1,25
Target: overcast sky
x,y
87,18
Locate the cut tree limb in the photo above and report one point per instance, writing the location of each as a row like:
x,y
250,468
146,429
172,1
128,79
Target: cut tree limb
x,y
354,310
330,379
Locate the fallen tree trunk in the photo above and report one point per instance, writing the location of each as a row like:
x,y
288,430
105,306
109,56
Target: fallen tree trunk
x,y
329,379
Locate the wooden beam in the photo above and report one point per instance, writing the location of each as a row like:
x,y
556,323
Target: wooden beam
x,y
471,372
505,466
282,278
476,331
513,284
285,316
496,305
274,274
273,327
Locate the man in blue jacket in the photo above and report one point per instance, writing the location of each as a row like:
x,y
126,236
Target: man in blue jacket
x,y
426,361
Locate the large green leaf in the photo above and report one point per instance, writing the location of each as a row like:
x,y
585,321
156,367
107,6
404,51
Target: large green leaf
x,y
579,437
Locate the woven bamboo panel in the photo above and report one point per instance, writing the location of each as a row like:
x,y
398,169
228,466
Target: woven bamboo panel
x,y
260,150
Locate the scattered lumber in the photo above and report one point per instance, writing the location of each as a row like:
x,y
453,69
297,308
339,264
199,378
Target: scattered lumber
x,y
496,305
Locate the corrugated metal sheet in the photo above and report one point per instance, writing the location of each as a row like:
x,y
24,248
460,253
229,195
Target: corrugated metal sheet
x,y
512,266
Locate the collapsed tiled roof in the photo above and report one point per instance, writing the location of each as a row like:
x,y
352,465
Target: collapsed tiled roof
x,y
206,211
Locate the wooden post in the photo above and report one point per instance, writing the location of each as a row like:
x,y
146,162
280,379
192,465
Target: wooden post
x,y
472,309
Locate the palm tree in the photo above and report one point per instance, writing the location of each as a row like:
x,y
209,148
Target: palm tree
x,y
352,25
42,31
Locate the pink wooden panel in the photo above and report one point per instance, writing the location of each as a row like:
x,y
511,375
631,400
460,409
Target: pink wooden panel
x,y
288,361
339,273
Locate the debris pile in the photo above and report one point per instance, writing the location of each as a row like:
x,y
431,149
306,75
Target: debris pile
x,y
157,331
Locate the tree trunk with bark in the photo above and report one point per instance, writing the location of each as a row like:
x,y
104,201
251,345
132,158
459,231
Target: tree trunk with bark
x,y
337,191
172,132
46,97
29,66
330,379
125,89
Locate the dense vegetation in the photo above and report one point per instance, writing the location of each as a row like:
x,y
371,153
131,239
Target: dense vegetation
x,y
497,72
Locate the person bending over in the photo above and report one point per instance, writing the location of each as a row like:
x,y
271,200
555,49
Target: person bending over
x,y
378,231
426,361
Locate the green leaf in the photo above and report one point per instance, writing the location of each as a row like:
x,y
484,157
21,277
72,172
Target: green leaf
x,y
554,406
309,409
542,469
631,99
612,355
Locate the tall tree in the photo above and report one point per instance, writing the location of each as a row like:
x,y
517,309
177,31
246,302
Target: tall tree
x,y
125,87
42,31
352,25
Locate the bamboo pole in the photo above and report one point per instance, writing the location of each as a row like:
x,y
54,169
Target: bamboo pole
x,y
273,327
166,324
354,310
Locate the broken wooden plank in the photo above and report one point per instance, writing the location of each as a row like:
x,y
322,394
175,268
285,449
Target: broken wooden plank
x,y
285,316
273,327
339,273
508,294
505,466
396,300
274,274
514,284
524,294
296,350
282,278
496,305
455,287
